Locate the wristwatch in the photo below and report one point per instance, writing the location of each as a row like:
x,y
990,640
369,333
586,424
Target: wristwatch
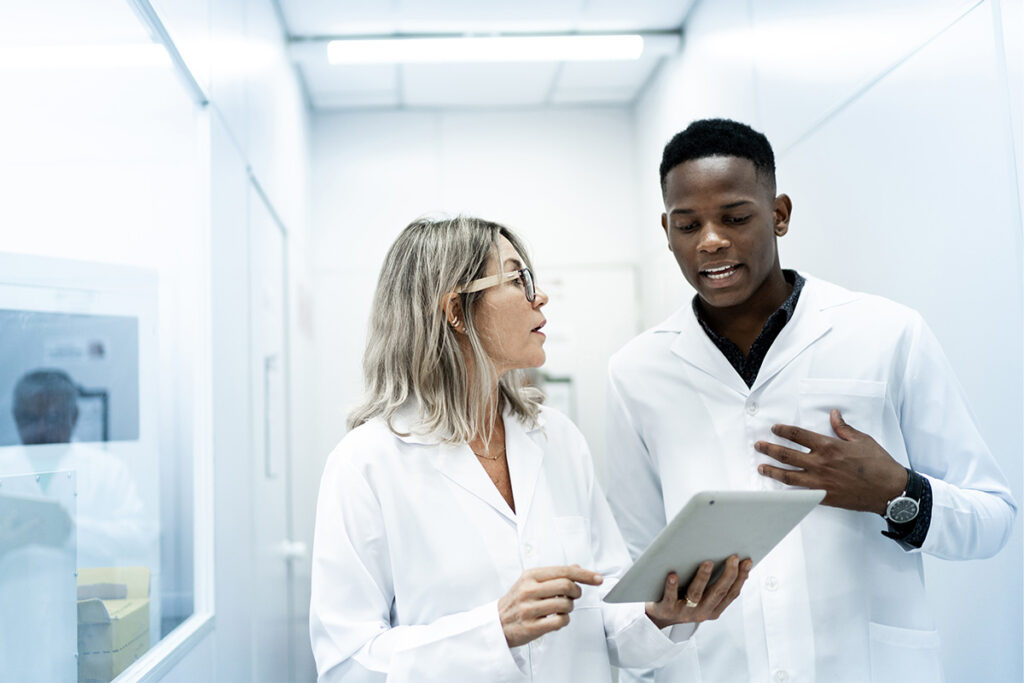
x,y
904,507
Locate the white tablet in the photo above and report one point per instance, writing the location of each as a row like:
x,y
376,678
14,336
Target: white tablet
x,y
713,526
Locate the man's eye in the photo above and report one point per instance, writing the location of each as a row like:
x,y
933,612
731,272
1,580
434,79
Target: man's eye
x,y
687,227
736,220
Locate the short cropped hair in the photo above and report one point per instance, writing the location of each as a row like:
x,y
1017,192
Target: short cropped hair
x,y
719,138
55,384
413,354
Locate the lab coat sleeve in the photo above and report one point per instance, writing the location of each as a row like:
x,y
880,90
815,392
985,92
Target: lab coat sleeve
x,y
352,597
972,508
634,484
632,638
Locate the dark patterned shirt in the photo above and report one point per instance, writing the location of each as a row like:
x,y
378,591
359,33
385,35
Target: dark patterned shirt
x,y
749,367
910,534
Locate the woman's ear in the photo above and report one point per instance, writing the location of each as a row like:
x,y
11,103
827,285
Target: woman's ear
x,y
452,306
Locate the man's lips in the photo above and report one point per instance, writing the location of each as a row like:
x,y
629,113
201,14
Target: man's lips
x,y
720,272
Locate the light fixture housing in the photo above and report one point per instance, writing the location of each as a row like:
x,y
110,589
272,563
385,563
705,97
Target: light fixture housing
x,y
535,48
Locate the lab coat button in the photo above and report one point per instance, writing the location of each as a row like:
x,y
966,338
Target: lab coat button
x,y
527,549
752,408
781,675
771,583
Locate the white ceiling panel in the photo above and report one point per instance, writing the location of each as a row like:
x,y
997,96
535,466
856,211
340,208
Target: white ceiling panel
x,y
325,99
602,96
626,74
461,85
476,85
364,85
363,17
352,77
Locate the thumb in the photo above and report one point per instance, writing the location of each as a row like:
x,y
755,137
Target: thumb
x,y
839,426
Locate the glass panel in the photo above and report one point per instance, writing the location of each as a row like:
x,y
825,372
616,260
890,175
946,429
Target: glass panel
x,y
103,257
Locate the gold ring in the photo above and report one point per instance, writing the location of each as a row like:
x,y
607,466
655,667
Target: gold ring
x,y
689,602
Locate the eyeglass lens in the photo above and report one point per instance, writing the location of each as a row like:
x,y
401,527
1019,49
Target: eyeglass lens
x,y
531,292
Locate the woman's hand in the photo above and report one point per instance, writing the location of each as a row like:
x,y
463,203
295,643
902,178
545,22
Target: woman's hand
x,y
540,601
699,602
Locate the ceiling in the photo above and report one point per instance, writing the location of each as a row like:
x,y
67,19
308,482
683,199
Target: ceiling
x,y
513,84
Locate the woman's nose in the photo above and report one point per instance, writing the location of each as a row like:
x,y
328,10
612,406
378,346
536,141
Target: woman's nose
x,y
540,299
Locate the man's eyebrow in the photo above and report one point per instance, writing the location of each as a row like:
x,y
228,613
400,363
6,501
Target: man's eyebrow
x,y
730,205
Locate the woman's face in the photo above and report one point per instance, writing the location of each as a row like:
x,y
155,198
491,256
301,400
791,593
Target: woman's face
x,y
510,326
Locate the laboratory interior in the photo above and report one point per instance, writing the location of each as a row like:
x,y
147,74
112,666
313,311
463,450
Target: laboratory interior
x,y
197,196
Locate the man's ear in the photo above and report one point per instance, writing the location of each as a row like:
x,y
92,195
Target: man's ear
x,y
781,212
452,307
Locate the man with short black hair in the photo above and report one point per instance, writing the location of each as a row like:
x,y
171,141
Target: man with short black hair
x,y
770,379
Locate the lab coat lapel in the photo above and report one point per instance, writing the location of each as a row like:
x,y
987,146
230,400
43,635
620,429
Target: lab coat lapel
x,y
525,457
457,463
695,347
808,325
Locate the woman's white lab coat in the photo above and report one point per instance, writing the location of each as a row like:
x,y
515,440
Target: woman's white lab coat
x,y
414,546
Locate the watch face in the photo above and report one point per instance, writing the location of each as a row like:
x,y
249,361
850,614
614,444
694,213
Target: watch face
x,y
902,510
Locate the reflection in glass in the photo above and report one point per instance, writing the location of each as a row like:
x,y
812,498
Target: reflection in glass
x,y
41,352
113,539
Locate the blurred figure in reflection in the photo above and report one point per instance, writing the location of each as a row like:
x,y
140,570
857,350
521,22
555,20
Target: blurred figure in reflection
x,y
45,407
112,527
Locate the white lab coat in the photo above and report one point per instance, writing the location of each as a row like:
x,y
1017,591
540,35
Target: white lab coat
x,y
414,545
836,600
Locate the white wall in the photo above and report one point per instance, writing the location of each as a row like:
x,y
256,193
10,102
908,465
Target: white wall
x,y
894,127
563,179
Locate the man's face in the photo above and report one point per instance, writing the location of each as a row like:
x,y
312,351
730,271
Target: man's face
x,y
721,222
45,418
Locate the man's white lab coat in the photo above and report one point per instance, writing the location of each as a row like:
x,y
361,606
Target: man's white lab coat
x,y
414,545
836,600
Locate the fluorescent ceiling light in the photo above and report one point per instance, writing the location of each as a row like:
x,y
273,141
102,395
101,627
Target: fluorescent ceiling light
x,y
487,49
24,57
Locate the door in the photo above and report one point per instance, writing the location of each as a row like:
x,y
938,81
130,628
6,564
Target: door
x,y
273,611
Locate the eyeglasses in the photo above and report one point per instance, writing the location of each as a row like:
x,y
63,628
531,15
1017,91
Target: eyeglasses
x,y
523,274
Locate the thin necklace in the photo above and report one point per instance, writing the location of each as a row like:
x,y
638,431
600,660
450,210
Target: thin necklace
x,y
489,457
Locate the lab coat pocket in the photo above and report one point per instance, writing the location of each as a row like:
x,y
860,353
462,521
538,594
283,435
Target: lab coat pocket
x,y
860,401
904,654
574,535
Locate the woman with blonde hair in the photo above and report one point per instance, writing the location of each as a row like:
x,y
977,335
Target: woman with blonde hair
x,y
461,534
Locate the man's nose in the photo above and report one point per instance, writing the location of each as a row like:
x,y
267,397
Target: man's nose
x,y
712,238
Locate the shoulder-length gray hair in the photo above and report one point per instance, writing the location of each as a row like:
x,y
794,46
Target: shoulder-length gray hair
x,y
411,350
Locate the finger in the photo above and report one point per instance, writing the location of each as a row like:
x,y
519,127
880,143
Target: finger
x,y
542,608
551,622
670,595
788,477
804,437
734,590
789,456
573,573
718,590
555,587
695,591
841,428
